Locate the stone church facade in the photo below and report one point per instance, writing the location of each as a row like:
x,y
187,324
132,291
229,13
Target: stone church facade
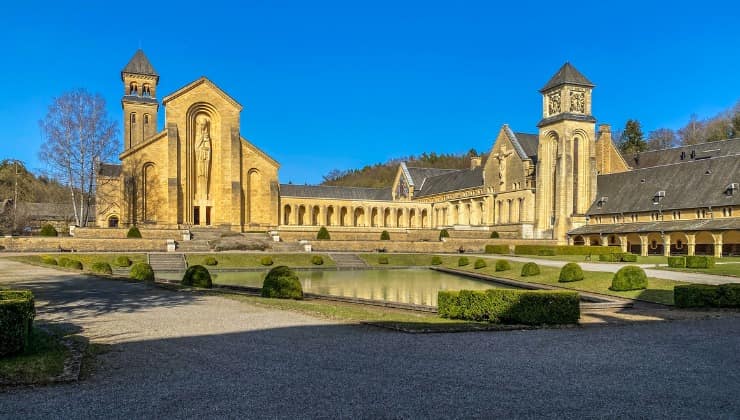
x,y
199,171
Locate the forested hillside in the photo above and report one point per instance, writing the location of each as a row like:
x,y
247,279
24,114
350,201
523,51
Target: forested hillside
x,y
30,187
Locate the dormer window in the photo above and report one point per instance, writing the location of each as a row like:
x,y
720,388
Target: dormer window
x,y
602,201
731,189
658,197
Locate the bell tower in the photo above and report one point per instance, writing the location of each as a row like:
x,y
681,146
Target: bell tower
x,y
139,100
566,167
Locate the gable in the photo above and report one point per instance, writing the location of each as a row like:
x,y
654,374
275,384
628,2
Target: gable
x,y
202,84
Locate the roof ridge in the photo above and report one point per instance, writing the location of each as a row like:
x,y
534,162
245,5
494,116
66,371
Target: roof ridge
x,y
675,163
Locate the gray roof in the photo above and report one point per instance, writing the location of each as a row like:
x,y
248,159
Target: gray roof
x,y
418,175
342,193
139,64
525,144
567,75
51,211
684,153
669,226
566,116
110,170
694,184
452,181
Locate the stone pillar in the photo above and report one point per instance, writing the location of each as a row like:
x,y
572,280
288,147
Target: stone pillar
x,y
623,242
667,245
322,216
309,215
643,245
604,240
691,243
717,244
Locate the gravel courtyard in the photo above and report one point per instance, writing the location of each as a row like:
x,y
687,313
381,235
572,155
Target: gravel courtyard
x,y
178,355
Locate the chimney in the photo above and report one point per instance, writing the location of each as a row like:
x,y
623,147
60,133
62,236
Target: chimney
x,y
604,128
475,161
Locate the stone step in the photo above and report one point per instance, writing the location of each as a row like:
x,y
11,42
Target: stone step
x,y
348,261
167,261
193,246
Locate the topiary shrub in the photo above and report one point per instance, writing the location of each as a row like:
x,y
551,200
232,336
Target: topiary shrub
x,y
497,249
48,260
628,257
210,261
480,263
546,252
705,295
48,230
282,282
630,277
63,261
197,276
677,262
699,261
494,235
77,265
443,234
317,260
462,261
17,311
530,269
101,267
267,261
383,260
502,265
385,236
570,272
133,232
122,261
436,260
613,257
323,234
142,271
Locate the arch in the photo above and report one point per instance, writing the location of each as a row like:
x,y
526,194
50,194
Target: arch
x,y
579,240
399,217
454,214
329,215
679,243
146,90
594,240
387,218
374,217
499,219
287,210
198,189
113,221
412,218
149,193
315,215
132,128
521,209
655,244
509,211
133,88
343,212
424,219
358,218
301,215
704,243
252,191
731,243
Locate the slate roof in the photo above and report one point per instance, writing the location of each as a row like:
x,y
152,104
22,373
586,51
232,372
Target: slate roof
x,y
674,154
139,64
51,211
110,170
669,226
694,184
567,75
418,175
341,193
452,181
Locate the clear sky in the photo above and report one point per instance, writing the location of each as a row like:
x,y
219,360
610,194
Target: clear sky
x,y
344,84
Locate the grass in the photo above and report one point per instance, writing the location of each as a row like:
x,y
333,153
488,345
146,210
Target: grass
x,y
87,260
252,260
651,259
727,269
400,260
41,361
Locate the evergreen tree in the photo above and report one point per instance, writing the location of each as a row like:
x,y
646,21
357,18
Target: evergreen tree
x,y
632,140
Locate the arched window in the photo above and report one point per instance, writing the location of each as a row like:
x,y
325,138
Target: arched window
x,y
145,91
133,89
146,119
113,222
133,118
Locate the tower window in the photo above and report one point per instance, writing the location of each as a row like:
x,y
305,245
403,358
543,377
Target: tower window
x,y
146,118
145,90
133,118
133,89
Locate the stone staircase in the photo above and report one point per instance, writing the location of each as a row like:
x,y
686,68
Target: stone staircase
x,y
167,261
348,261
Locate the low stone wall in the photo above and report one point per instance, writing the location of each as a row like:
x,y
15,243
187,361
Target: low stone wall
x,y
449,246
42,244
397,234
120,233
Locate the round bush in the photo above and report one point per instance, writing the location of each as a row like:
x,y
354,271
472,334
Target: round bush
x,y
503,265
317,260
494,235
210,261
142,271
101,268
630,277
77,265
480,263
282,282
197,276
443,234
63,261
462,261
48,230
48,260
122,261
436,260
570,272
385,236
267,261
382,260
133,232
530,269
323,234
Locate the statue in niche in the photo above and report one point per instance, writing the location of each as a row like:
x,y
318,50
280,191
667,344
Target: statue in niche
x,y
203,154
577,102
501,157
554,103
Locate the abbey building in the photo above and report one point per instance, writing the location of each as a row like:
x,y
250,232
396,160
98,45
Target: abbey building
x,y
566,182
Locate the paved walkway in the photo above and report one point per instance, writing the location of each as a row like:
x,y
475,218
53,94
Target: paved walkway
x,y
177,355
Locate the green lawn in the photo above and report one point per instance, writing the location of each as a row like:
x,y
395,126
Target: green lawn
x,y
725,269
398,260
87,260
252,260
652,259
42,360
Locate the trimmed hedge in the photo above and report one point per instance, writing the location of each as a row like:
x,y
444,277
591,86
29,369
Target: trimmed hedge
x,y
462,261
480,263
282,282
77,265
197,276
570,272
530,307
48,260
699,261
503,265
48,230
443,234
497,249
705,295
122,261
546,252
317,260
210,261
17,311
494,235
436,260
566,249
101,267
383,260
630,277
530,269
677,262
63,261
133,232
385,236
323,234
614,257
267,261
628,257
142,271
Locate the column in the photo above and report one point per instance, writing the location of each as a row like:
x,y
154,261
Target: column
x,y
717,244
691,237
667,245
643,245
623,242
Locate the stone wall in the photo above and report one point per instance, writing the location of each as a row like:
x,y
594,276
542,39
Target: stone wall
x,y
371,234
42,244
110,233
448,246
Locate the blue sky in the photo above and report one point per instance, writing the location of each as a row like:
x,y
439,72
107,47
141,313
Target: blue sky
x,y
344,84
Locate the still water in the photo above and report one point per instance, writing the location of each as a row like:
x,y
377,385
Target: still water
x,y
417,286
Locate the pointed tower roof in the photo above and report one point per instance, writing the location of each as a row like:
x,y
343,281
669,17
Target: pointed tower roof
x,y
139,64
567,75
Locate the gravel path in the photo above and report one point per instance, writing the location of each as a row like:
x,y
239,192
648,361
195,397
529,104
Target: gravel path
x,y
183,356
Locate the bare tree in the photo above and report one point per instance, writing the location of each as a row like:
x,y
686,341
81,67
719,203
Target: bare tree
x,y
661,138
78,134
693,132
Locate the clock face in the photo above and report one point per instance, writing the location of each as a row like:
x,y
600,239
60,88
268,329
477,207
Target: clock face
x,y
553,101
